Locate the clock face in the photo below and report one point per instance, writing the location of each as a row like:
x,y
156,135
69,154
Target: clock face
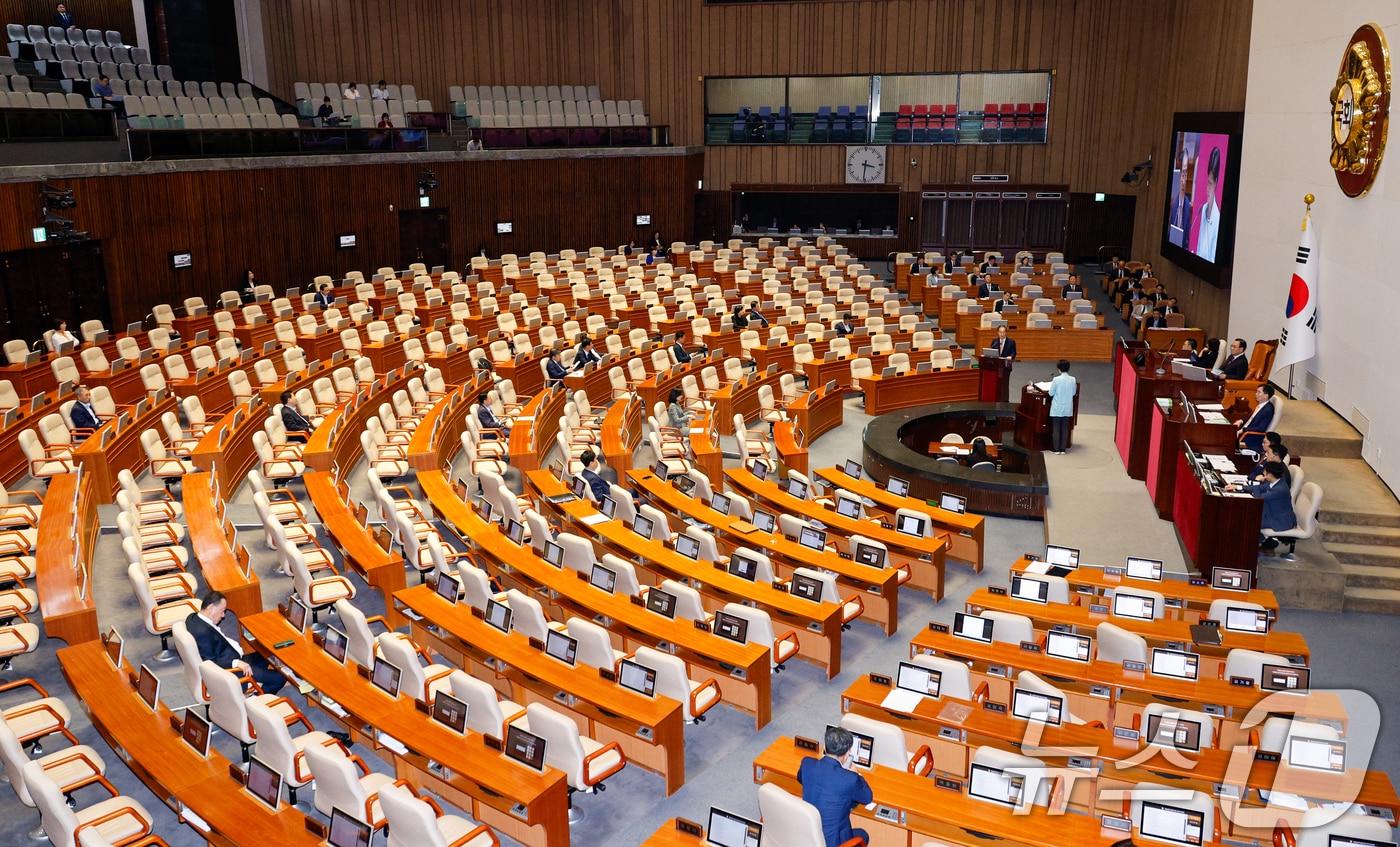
x,y
865,164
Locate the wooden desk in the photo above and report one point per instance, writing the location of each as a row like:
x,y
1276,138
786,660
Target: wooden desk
x,y
744,670
123,450
1216,530
227,451
456,365
383,570
524,373
532,434
741,398
885,394
818,624
254,336
170,768
966,532
1092,578
669,836
320,348
67,538
1137,389
649,730
925,557
1078,345
223,564
878,587
187,327
385,356
125,385
622,433
337,440
438,435
475,778
1170,430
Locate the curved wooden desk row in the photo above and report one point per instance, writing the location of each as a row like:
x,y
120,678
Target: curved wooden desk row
x,y
532,433
223,562
226,450
953,730
336,442
811,416
649,730
531,807
878,587
966,532
1039,344
117,445
1101,690
63,561
903,391
1161,632
438,435
1195,598
925,557
622,433
817,625
743,670
199,789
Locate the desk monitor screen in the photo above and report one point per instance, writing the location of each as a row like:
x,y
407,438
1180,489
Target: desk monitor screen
x,y
1171,730
869,554
1246,620
1150,569
1175,663
953,503
729,830
662,602
1134,606
685,485
862,748
498,614
1351,841
760,470
345,831
732,627
898,487
608,506
561,647
1064,645
807,587
765,521
112,642
554,554
195,731
485,508
1032,705
1026,588
386,676
148,686
604,578
720,503
637,677
335,644
1318,754
525,748
643,525
812,538
852,469
995,785
579,487
515,531
661,471
919,679
973,627
1284,678
1170,823
797,488
1229,579
911,525
450,712
1065,557
688,547
264,783
848,508
744,567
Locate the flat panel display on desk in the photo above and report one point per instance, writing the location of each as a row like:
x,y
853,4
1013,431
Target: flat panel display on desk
x,y
1198,229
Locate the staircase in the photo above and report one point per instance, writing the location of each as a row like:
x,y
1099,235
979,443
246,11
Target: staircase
x,y
1367,545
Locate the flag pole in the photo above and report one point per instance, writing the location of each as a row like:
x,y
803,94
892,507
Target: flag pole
x,y
1307,212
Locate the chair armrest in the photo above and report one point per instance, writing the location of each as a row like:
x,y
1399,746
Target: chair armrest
x,y
922,761
24,683
115,814
481,830
980,695
1283,834
610,747
94,779
787,637
158,464
379,619
21,510
359,763
854,842
860,608
26,491
695,696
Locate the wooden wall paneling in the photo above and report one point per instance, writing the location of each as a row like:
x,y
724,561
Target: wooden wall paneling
x,y
88,14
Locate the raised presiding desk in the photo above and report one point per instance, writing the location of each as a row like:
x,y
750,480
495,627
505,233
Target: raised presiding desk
x,y
199,789
649,730
1079,345
1217,528
531,807
885,394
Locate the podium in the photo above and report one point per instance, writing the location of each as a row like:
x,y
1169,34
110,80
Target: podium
x,y
1033,419
1216,530
996,379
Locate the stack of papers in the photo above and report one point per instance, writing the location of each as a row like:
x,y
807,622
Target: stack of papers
x,y
1043,386
595,518
902,700
1210,407
1213,417
1220,462
1234,478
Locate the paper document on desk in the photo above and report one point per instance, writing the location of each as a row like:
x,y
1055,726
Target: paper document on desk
x,y
902,700
1210,407
1220,462
1213,417
1038,567
1234,478
1237,494
1043,386
595,518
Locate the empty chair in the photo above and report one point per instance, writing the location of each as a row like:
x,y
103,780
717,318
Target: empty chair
x,y
585,762
1116,644
486,712
158,618
418,681
1031,682
413,822
790,821
339,785
673,680
120,820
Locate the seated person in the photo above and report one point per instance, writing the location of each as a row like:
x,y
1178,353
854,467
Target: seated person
x,y
1026,266
831,784
216,647
1074,286
1278,516
1258,421
844,327
918,267
1158,294
985,287
1007,299
103,89
381,91
744,316
327,113
554,372
596,483
678,349
584,354
978,455
83,413
1274,451
297,426
325,297
487,418
1236,364
677,415
352,92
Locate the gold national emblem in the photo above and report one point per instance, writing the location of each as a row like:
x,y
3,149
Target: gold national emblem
x,y
1360,102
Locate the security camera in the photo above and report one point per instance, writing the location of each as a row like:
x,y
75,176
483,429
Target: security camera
x,y
57,198
427,181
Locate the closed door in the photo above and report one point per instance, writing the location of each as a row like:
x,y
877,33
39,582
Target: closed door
x,y
46,284
424,236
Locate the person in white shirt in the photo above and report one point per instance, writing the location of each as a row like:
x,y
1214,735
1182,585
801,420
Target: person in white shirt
x,y
1062,390
351,92
1210,216
381,91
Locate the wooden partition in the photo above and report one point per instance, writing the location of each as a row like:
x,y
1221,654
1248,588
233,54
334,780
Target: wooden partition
x,y
67,535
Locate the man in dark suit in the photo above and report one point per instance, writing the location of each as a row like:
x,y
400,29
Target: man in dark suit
x,y
63,18
553,371
984,287
1074,286
831,784
1272,488
218,648
1159,294
325,297
1236,364
584,354
487,418
918,266
596,483
83,414
1004,345
678,350
1007,299
1258,421
296,425
1274,451
844,327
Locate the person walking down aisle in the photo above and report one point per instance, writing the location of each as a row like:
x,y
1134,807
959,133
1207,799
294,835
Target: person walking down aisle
x,y
1062,391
